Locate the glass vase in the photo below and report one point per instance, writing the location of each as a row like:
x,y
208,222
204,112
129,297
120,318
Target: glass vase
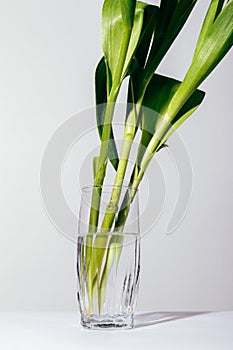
x,y
108,257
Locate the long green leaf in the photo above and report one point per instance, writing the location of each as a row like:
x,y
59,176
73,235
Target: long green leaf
x,y
163,35
166,11
167,8
169,32
101,100
218,41
141,54
214,9
148,28
119,40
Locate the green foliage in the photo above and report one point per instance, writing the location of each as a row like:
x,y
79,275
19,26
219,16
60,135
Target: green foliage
x,y
136,37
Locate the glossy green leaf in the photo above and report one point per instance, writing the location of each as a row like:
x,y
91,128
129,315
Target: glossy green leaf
x,y
157,99
165,13
119,41
214,9
148,28
172,20
127,11
141,53
101,100
185,112
218,40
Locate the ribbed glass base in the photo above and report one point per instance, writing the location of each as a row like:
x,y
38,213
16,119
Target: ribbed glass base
x,y
107,322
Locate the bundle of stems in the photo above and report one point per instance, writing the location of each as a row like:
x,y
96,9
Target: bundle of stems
x,y
136,37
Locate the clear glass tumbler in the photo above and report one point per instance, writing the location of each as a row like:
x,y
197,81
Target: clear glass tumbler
x,y
108,257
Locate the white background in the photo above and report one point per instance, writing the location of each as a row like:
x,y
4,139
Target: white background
x,y
48,53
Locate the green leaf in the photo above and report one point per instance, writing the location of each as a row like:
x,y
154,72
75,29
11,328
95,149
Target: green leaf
x,y
172,20
168,20
127,10
101,100
147,32
165,13
213,12
140,56
218,40
119,40
157,99
167,8
185,112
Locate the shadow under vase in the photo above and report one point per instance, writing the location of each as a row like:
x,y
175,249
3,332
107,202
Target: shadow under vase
x,y
153,318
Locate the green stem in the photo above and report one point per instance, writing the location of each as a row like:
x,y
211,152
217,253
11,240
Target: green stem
x,y
135,180
112,207
101,168
129,134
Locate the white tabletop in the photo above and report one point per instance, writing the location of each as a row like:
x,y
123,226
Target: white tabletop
x,y
168,330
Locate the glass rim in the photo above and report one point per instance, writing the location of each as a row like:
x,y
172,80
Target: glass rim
x,y
91,187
